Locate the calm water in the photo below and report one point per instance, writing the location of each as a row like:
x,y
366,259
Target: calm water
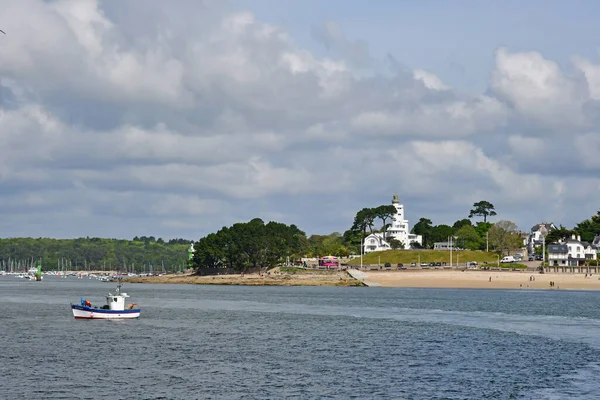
x,y
210,342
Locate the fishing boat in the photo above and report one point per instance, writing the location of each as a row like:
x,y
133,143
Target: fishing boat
x,y
113,309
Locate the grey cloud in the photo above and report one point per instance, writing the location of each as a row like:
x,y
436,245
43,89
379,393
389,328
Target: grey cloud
x,y
196,116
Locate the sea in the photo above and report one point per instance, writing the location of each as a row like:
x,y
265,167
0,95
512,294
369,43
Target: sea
x,y
248,342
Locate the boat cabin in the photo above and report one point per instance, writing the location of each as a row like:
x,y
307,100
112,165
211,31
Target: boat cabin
x,y
116,301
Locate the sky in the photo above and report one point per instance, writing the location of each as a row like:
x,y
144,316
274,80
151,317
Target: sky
x,y
174,119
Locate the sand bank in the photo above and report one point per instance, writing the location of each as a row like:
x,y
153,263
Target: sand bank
x,y
316,278
481,279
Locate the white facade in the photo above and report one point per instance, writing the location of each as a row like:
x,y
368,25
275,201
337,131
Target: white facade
x,y
537,235
375,242
572,252
398,229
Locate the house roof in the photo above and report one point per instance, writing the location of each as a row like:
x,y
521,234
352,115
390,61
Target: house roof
x,y
558,248
575,241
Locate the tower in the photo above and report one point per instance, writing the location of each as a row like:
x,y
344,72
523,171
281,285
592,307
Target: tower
x,y
191,251
399,217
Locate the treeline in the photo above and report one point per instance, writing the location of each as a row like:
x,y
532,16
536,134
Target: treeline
x,y
138,255
152,239
249,245
588,229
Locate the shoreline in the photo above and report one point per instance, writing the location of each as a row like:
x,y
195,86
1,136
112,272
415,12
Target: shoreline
x,y
449,279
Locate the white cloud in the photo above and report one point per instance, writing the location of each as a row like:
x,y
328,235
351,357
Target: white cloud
x,y
592,75
74,47
448,119
197,120
431,81
538,89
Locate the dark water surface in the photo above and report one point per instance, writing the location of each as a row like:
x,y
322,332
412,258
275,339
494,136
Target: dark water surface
x,y
233,342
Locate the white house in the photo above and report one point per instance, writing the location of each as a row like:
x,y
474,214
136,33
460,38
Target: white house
x,y
537,235
398,229
571,252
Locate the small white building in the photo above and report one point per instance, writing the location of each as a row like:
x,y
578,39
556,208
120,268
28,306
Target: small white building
x,y
398,229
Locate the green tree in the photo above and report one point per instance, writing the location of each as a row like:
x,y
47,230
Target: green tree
x,y
482,229
589,228
416,245
384,213
483,209
323,245
503,236
209,252
395,244
468,237
460,223
559,234
441,233
364,219
423,228
351,240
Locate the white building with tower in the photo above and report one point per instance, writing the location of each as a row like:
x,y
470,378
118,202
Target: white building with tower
x,y
399,229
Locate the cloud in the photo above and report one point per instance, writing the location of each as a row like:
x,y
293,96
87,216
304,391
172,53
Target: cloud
x,y
80,51
538,89
429,80
200,115
330,35
448,119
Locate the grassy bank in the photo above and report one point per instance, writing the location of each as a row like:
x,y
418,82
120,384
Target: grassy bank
x,y
426,256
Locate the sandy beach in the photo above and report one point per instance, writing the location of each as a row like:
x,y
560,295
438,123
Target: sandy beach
x,y
481,279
